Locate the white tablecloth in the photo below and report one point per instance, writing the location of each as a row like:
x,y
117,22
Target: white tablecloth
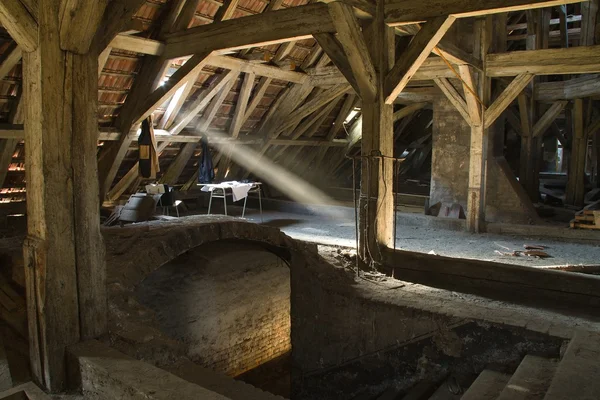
x,y
239,189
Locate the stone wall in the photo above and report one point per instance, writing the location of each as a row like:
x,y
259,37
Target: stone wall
x,y
228,302
356,340
450,154
506,200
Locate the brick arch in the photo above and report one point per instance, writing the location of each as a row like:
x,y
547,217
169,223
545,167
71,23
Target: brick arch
x,y
134,251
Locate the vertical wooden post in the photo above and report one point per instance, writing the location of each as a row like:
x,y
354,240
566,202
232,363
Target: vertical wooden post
x,y
64,251
576,175
376,190
479,135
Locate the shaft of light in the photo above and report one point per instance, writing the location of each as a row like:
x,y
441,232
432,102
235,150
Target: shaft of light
x,y
286,182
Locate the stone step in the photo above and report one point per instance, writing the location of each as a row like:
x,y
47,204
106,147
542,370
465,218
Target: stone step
x,y
531,379
219,383
577,374
488,386
101,372
28,391
443,393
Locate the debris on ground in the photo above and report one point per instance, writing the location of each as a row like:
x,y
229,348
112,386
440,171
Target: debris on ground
x,y
534,247
527,253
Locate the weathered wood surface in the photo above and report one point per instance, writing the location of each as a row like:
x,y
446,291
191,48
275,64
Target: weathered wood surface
x,y
358,57
19,23
398,12
415,55
79,21
263,29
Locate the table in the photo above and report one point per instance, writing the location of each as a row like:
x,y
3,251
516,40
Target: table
x,y
219,191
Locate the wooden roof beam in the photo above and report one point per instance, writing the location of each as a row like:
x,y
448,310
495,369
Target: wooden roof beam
x,y
20,24
573,60
335,51
402,12
274,27
415,55
79,21
354,45
10,58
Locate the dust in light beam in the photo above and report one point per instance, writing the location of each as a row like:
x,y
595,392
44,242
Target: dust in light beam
x,y
286,182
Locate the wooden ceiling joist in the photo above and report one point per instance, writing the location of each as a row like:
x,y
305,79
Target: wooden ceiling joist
x,y
275,27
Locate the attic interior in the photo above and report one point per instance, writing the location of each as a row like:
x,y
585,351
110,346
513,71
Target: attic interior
x,y
267,199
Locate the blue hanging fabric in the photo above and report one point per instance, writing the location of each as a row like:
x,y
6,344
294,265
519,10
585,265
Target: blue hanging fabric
x,y
206,173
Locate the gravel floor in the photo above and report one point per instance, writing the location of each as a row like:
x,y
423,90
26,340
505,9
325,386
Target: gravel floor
x,y
341,231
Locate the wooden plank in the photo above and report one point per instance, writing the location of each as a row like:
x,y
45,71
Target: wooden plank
x,y
255,68
280,26
259,92
578,87
478,151
177,102
355,47
415,55
19,23
408,110
241,105
138,45
576,177
402,12
338,124
8,146
89,251
309,126
548,118
186,15
103,58
469,87
226,11
201,101
79,20
573,60
9,60
507,96
334,50
115,19
313,105
190,69
455,98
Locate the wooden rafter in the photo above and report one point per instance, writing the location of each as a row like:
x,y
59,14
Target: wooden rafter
x,y
542,125
268,28
506,98
201,101
415,55
454,96
11,58
357,53
401,12
20,24
335,51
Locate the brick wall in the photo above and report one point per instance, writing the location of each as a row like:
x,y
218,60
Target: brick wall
x,y
229,303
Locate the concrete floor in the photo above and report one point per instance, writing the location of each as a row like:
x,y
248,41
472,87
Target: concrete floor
x,y
416,233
